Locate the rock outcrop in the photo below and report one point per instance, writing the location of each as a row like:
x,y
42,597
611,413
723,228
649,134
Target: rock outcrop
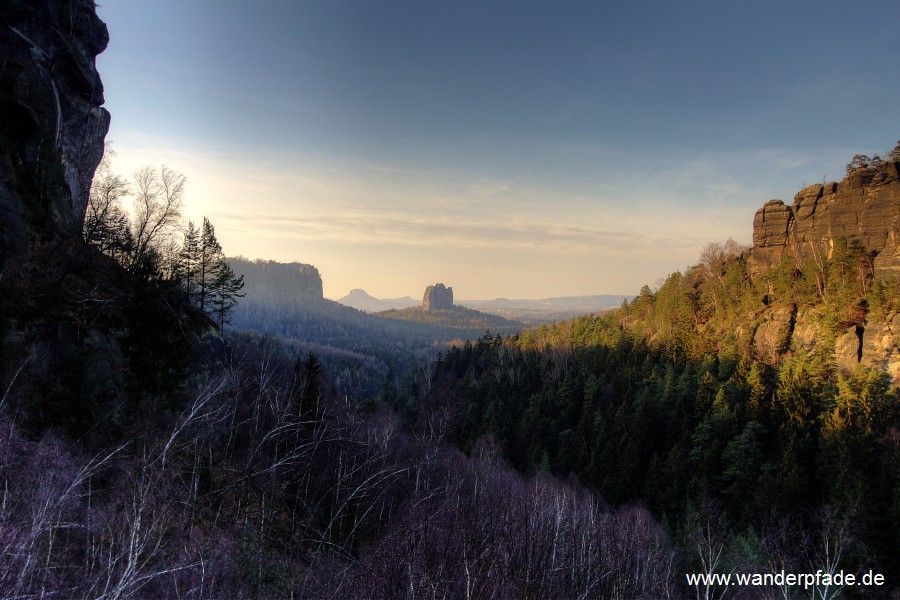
x,y
864,206
82,336
437,297
52,125
279,283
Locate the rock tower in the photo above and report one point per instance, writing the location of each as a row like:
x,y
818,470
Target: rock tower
x,y
438,297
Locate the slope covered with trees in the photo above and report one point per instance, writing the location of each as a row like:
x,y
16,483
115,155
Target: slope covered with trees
x,y
457,317
711,425
727,392
285,300
154,243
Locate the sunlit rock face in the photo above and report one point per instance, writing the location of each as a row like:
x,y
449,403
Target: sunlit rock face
x,y
52,125
863,207
438,297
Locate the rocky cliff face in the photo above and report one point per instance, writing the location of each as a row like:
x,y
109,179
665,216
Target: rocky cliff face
x,y
279,283
52,125
872,342
80,336
864,206
438,297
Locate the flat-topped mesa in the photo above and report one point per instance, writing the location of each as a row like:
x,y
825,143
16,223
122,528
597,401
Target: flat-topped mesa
x,y
864,206
52,124
279,283
437,297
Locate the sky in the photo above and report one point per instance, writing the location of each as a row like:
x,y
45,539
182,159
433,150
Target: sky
x,y
507,149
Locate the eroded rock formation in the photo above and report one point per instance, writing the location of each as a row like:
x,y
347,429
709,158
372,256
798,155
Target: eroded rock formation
x,y
52,125
864,206
82,335
438,297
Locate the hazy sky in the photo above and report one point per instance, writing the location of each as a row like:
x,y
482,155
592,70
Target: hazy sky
x,y
516,149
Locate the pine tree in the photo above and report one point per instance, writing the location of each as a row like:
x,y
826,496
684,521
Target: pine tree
x,y
188,261
224,291
894,154
209,281
209,262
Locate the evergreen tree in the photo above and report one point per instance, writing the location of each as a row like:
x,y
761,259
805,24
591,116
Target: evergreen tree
x,y
188,260
210,282
224,291
894,154
209,262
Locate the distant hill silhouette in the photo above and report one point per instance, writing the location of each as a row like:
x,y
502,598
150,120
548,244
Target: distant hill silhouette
x,y
361,300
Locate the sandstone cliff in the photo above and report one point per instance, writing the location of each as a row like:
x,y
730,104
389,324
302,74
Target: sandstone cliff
x,y
52,126
437,297
864,206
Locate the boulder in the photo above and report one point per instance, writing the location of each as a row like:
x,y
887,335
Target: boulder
x,y
773,334
887,263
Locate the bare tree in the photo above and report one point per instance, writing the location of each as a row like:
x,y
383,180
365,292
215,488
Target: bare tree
x,y
828,548
106,222
158,200
707,539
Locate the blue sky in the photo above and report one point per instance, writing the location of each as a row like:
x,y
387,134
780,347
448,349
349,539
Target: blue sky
x,y
517,149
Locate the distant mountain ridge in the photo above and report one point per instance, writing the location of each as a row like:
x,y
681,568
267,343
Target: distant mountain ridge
x,y
548,309
361,300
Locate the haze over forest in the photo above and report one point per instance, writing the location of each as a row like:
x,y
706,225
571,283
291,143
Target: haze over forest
x,y
521,152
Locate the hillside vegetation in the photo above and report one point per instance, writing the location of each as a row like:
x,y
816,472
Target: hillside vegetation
x,y
764,401
172,427
455,317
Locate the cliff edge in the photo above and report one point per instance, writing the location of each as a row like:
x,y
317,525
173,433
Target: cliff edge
x,y
863,207
862,211
53,125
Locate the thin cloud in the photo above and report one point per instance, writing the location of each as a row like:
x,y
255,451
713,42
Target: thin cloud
x,y
374,210
484,188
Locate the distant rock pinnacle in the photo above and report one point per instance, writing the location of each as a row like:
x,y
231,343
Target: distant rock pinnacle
x,y
438,297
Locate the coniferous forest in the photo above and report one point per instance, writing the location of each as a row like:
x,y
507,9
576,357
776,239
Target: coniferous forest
x,y
175,424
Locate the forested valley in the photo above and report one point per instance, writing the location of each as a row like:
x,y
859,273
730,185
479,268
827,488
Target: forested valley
x,y
788,462
151,449
357,349
604,456
168,430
